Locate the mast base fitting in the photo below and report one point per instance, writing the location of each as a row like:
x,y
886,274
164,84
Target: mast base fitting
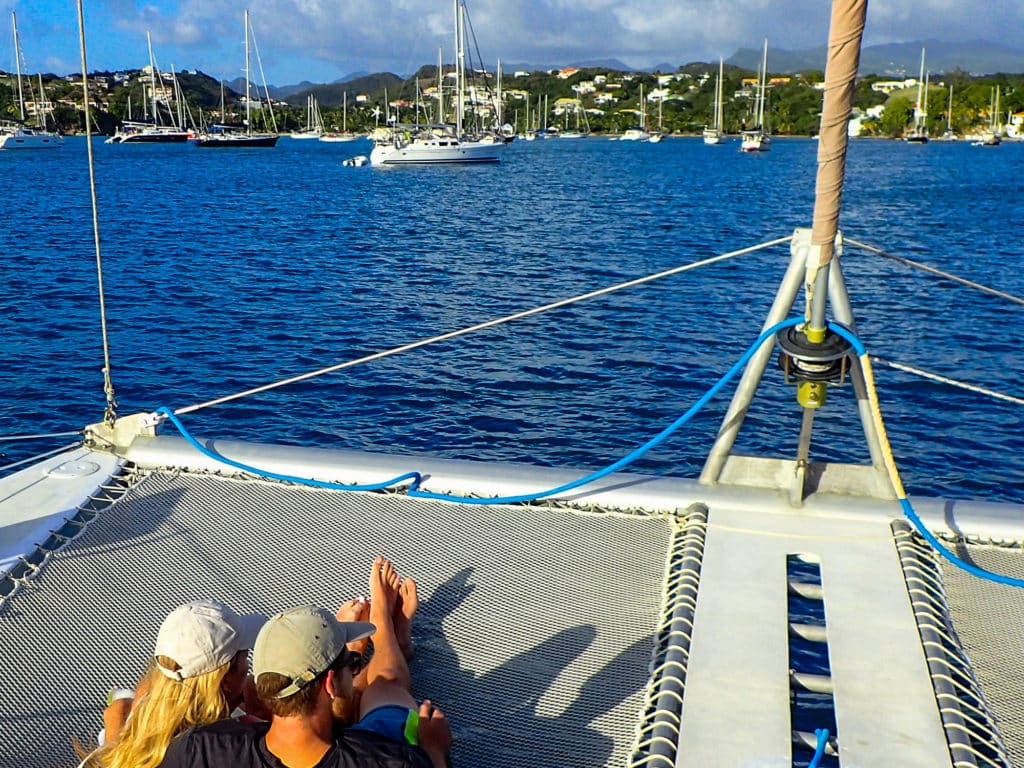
x,y
802,360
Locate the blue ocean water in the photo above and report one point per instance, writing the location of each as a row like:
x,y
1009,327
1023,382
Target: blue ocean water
x,y
230,269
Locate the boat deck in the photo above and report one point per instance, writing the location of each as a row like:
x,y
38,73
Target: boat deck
x,y
651,622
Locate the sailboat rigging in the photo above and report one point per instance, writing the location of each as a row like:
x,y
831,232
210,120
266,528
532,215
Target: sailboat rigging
x,y
228,136
756,139
19,135
416,144
152,132
715,133
919,133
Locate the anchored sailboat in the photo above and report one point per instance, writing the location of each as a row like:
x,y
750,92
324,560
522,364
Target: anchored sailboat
x,y
439,143
638,132
153,132
919,133
949,134
756,139
19,135
715,134
314,127
344,135
221,136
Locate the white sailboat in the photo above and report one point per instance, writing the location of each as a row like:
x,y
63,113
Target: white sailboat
x,y
314,128
439,143
19,135
714,133
133,132
225,136
638,132
757,139
993,135
949,134
344,135
919,133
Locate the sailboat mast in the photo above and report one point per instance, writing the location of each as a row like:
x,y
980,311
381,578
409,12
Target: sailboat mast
x,y
764,80
949,111
344,111
718,106
460,67
919,113
440,87
248,121
498,106
43,104
152,78
17,64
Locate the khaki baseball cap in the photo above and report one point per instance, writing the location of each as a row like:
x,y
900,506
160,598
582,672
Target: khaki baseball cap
x,y
302,643
203,635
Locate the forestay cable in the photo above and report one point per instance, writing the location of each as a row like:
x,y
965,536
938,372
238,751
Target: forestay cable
x,y
934,271
110,412
482,326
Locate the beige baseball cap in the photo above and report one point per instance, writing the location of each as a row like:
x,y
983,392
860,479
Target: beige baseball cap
x,y
203,635
302,643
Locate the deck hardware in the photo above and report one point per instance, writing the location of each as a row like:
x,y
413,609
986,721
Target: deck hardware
x,y
812,366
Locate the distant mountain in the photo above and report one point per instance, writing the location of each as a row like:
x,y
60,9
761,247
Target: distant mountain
x,y
352,76
977,57
332,94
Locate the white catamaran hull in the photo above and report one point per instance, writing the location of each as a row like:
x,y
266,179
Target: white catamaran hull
x,y
428,151
27,138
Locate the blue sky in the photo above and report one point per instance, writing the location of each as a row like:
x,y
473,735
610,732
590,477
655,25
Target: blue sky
x,y
323,41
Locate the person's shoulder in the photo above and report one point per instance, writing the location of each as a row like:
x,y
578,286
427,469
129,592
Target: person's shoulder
x,y
364,749
226,742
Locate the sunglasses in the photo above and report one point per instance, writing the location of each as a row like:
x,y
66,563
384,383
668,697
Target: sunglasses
x,y
354,661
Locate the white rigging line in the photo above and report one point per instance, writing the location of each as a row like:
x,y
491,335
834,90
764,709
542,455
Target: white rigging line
x,y
934,271
110,412
40,456
11,438
482,326
944,380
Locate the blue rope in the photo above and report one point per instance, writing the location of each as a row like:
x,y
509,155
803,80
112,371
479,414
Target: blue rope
x,y
999,578
415,479
912,516
630,458
414,476
822,734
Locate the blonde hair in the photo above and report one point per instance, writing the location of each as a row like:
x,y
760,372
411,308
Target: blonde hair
x,y
168,708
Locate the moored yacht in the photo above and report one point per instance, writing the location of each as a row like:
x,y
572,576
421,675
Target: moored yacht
x,y
756,139
18,134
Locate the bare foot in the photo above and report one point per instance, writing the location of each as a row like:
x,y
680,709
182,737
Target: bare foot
x,y
356,609
406,603
384,584
353,610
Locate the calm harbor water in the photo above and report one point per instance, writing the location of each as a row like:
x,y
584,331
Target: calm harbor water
x,y
227,270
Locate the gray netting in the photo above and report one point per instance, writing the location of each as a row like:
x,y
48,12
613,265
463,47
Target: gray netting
x,y
535,630
989,620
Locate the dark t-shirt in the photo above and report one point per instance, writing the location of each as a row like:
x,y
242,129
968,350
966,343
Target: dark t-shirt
x,y
242,745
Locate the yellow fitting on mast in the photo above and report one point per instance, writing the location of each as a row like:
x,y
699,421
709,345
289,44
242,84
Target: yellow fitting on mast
x,y
811,394
814,335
